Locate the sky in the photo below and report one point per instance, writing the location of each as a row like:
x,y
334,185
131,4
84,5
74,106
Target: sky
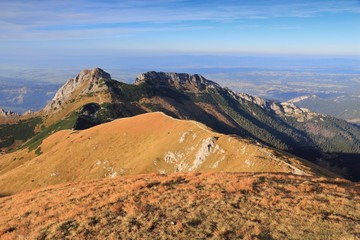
x,y
67,31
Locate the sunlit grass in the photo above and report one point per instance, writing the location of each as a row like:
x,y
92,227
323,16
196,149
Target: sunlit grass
x,y
183,206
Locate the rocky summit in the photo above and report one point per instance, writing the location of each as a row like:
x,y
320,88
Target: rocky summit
x,y
87,82
182,81
7,114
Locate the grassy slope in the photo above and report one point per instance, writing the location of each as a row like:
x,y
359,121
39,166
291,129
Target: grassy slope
x,y
187,206
145,143
67,122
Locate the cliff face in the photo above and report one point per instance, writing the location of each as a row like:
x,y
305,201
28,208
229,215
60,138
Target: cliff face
x,y
197,83
181,81
86,83
283,109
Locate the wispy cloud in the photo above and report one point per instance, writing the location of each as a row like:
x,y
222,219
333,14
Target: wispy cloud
x,y
185,23
94,33
51,15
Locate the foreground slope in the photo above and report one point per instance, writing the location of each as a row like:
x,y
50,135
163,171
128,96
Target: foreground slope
x,y
151,142
187,206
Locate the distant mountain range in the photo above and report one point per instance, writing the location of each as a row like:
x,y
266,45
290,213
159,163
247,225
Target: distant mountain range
x,y
93,97
344,107
25,95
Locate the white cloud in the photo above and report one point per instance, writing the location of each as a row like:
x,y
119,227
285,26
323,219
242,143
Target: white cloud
x,y
36,14
89,19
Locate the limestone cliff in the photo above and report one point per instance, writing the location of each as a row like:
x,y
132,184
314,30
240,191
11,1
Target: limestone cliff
x,y
182,81
86,83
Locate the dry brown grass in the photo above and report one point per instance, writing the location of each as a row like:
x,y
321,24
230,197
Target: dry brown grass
x,y
187,206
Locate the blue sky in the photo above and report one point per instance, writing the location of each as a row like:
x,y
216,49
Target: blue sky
x,y
36,30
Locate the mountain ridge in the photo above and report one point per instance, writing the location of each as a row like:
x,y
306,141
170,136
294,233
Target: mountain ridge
x,y
326,141
181,81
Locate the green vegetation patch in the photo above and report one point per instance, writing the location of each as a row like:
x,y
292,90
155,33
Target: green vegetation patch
x,y
93,114
38,151
130,92
66,123
22,130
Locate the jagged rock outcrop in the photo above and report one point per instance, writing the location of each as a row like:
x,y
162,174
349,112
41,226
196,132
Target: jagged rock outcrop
x,y
87,82
8,114
181,81
302,98
7,117
264,104
283,109
28,113
287,109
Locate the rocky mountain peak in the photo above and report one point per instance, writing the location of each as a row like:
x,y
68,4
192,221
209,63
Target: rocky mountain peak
x,y
178,80
7,114
96,73
86,82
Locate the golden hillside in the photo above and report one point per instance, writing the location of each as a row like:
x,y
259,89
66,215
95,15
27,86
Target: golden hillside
x,y
148,143
187,206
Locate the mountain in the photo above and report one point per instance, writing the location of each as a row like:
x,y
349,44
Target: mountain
x,y
93,98
180,81
344,107
132,146
60,113
8,116
88,86
186,206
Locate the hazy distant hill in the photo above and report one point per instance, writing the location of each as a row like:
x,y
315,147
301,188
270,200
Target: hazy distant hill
x,y
344,107
20,95
93,98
